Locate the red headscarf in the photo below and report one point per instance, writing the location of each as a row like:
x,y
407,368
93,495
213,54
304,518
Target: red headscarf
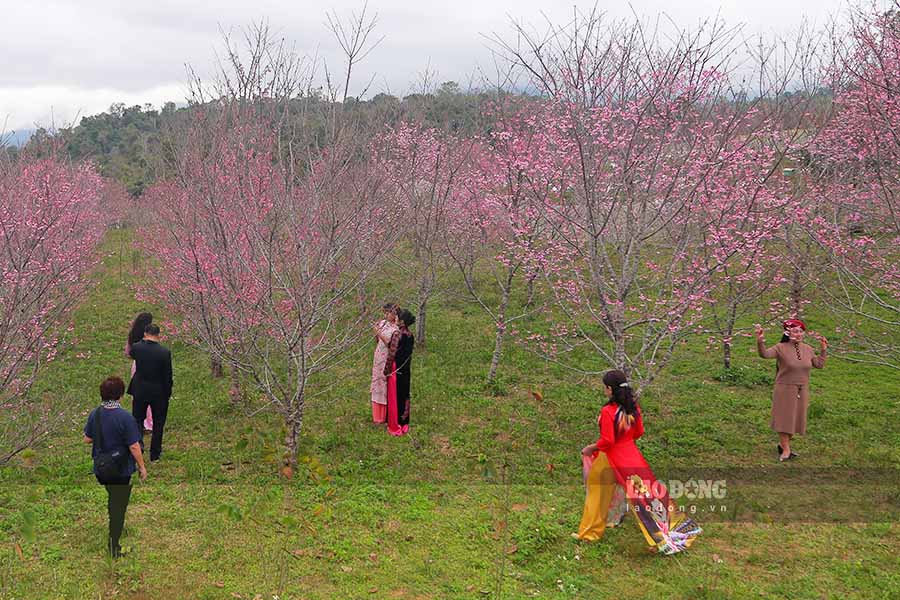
x,y
794,323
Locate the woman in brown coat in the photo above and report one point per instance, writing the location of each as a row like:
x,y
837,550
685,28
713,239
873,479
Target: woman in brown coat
x,y
790,399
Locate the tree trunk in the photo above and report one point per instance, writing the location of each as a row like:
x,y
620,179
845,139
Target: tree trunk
x,y
234,393
425,289
498,339
796,295
618,327
420,322
728,335
215,366
619,356
530,299
498,350
294,423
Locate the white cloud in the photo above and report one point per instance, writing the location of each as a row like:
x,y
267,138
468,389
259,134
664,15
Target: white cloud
x,y
78,56
61,106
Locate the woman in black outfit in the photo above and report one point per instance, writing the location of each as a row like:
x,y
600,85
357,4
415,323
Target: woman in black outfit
x,y
134,336
403,360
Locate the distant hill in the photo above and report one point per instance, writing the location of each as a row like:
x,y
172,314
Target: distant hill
x,y
128,143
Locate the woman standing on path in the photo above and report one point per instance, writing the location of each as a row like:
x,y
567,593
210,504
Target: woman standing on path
x,y
113,434
790,398
617,460
134,336
383,330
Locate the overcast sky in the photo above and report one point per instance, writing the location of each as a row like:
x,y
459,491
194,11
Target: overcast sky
x,y
63,59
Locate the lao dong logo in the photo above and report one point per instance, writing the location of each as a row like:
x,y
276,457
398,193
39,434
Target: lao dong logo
x,y
692,489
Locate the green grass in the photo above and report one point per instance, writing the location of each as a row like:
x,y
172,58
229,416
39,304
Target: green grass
x,y
478,501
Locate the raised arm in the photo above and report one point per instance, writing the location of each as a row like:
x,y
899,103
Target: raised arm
x,y
378,328
819,361
761,344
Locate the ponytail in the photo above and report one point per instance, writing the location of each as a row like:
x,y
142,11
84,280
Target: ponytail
x,y
623,396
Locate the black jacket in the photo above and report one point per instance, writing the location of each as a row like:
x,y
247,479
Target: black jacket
x,y
153,371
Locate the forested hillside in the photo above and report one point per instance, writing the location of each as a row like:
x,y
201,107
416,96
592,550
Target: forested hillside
x,y
129,143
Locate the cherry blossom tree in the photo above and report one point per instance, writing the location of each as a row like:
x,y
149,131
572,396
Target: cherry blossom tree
x,y
426,167
50,228
499,225
116,204
265,239
751,235
266,269
653,130
740,246
856,178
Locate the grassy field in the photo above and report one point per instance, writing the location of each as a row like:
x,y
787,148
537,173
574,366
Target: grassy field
x,y
477,502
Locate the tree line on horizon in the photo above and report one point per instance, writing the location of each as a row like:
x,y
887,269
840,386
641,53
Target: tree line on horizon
x,y
129,143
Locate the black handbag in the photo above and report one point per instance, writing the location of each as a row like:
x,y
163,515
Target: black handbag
x,y
107,465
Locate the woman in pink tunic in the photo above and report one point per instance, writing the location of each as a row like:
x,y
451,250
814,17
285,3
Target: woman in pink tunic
x,y
134,336
384,330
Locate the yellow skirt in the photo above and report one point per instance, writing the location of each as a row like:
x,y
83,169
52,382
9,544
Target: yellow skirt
x,y
665,530
604,503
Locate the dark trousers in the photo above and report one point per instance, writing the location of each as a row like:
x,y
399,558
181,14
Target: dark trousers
x,y
402,408
160,408
403,397
118,493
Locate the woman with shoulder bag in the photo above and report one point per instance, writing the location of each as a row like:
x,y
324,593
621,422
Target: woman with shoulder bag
x,y
116,450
